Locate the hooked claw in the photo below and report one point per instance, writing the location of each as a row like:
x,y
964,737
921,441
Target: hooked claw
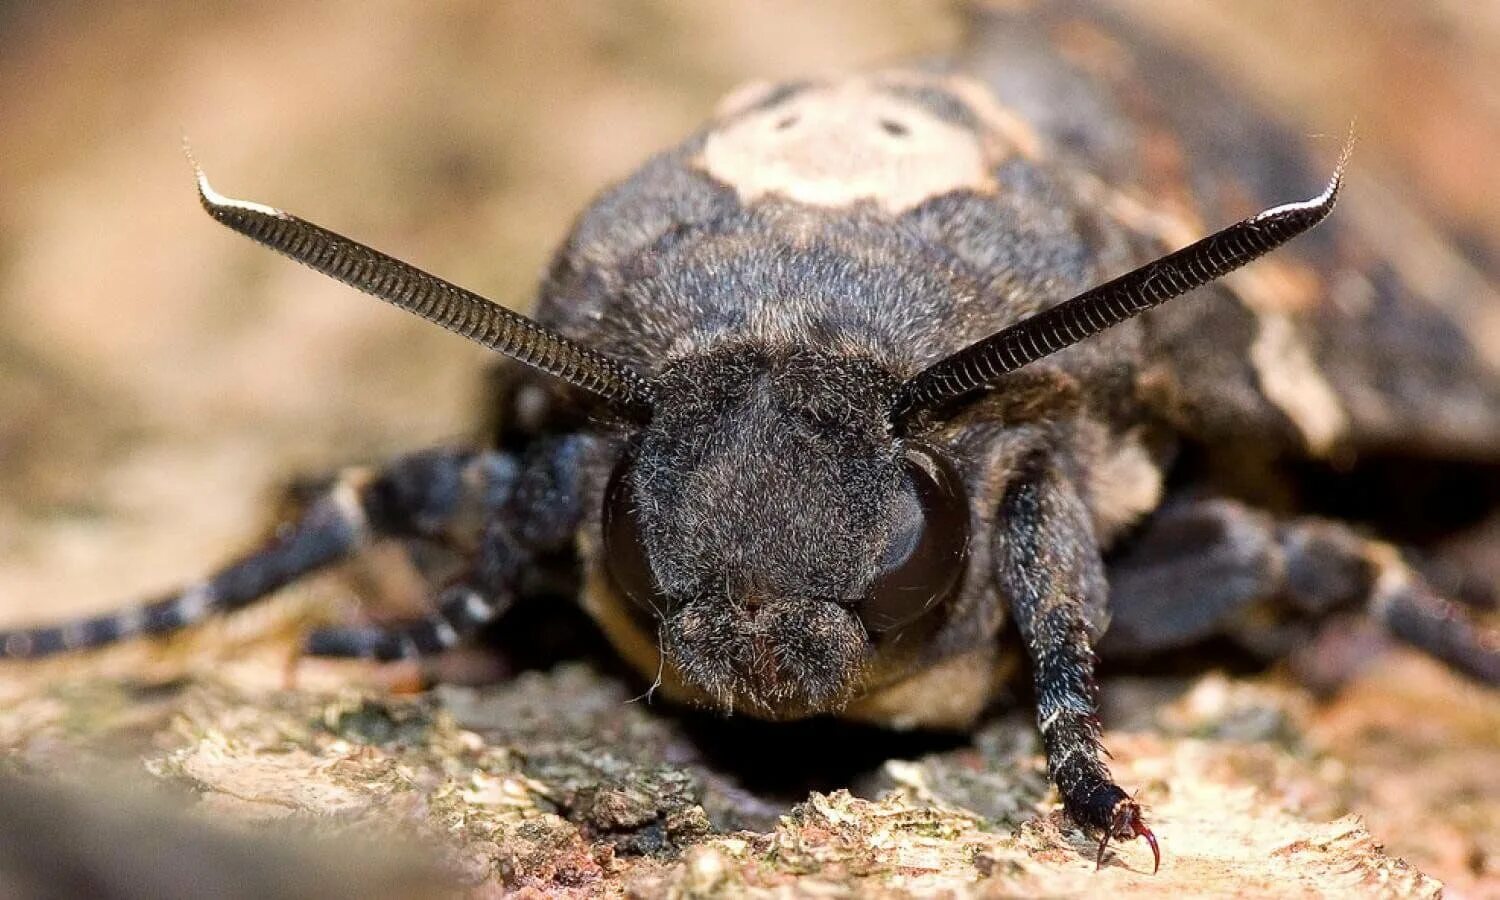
x,y
1125,824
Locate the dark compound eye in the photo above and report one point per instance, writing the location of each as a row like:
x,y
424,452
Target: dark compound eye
x,y
624,550
922,565
924,561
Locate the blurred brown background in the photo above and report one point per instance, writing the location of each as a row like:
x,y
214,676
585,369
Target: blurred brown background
x,y
159,377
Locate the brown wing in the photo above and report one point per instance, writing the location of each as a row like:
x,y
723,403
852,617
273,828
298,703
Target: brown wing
x,y
1370,334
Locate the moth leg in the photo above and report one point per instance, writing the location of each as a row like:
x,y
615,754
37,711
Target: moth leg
x,y
530,510
1211,567
421,494
461,609
1048,564
1190,572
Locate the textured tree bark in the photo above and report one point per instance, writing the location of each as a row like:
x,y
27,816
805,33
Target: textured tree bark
x,y
555,782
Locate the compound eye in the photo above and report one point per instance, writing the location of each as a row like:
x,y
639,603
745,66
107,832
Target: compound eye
x,y
924,560
624,549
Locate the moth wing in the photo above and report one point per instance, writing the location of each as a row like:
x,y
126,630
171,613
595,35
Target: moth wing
x,y
1370,334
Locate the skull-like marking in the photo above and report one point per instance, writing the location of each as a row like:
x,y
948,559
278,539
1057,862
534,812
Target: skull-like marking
x,y
838,144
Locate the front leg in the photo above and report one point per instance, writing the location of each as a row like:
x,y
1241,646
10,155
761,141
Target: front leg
x,y
1049,566
527,512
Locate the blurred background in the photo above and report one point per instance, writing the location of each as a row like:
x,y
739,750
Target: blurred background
x,y
159,377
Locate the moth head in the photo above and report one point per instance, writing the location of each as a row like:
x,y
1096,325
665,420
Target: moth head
x,y
776,530
774,515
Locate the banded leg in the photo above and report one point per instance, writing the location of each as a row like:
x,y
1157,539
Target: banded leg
x,y
1048,564
1201,569
534,512
424,495
461,609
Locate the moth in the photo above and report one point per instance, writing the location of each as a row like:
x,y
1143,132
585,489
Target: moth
x,y
869,391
